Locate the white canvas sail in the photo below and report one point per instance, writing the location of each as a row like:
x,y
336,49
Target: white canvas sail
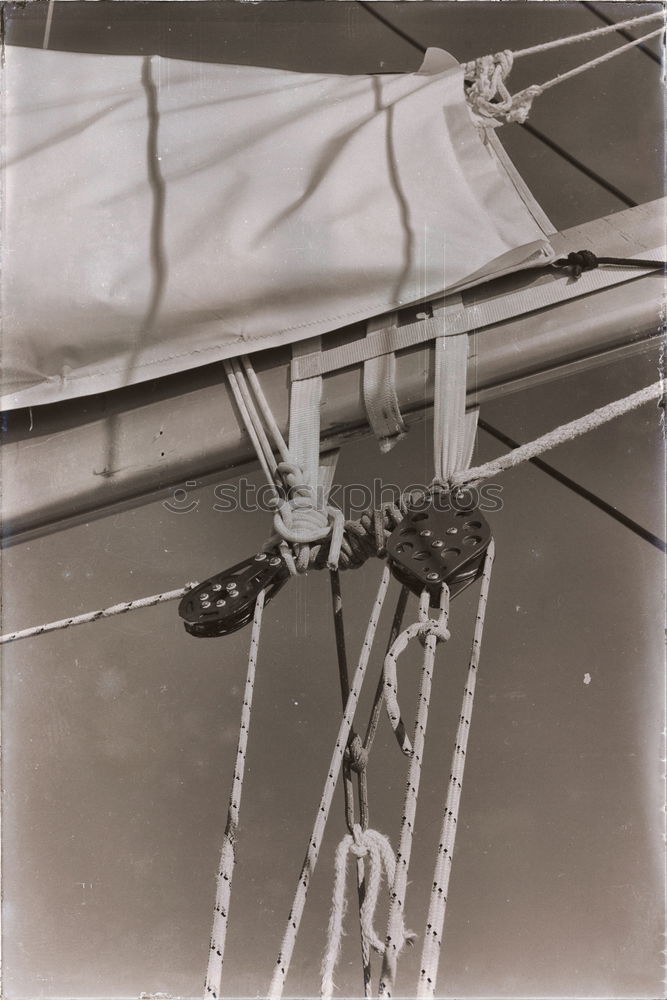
x,y
163,214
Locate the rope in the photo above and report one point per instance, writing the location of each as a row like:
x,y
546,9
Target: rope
x,y
360,539
491,101
94,616
566,432
355,759
585,35
299,519
228,852
376,848
579,261
395,938
310,861
425,626
440,885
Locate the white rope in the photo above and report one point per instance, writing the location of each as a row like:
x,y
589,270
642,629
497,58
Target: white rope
x,y
363,844
252,423
566,432
432,629
267,412
491,102
216,955
300,519
47,27
94,616
440,885
592,63
423,627
584,35
315,842
560,435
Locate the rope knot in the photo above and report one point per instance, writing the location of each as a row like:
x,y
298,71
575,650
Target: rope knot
x,y
433,626
356,754
578,261
487,93
379,861
301,521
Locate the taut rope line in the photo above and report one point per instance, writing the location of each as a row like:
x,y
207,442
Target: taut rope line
x,y
432,631
216,955
443,866
566,432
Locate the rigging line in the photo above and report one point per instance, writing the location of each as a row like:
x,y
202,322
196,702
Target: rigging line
x,y
560,435
216,955
47,26
583,36
622,31
580,490
353,744
93,616
535,132
310,861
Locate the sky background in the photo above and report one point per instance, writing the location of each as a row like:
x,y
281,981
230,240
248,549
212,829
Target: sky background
x,y
119,738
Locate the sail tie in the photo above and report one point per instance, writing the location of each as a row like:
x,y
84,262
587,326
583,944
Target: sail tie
x,y
491,102
374,849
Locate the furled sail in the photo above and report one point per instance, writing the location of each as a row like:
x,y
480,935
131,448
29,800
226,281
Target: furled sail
x,y
161,214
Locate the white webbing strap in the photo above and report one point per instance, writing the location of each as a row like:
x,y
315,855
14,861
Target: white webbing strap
x,y
228,854
453,429
545,291
379,385
304,418
443,866
305,517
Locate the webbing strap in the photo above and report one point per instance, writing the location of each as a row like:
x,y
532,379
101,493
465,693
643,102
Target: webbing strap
x,y
380,398
461,318
304,417
453,429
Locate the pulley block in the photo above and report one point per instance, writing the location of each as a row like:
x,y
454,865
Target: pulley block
x,y
439,542
226,602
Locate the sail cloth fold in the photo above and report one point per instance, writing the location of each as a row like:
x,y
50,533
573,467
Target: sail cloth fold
x,y
162,214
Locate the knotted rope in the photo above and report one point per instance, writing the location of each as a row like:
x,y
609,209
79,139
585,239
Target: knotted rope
x,y
394,939
366,537
423,627
315,842
488,95
301,521
374,849
491,102
578,261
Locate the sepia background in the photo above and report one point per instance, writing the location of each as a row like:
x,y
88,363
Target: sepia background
x,y
119,738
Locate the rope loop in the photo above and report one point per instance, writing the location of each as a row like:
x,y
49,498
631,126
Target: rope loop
x,y
488,96
578,260
299,520
424,627
375,850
